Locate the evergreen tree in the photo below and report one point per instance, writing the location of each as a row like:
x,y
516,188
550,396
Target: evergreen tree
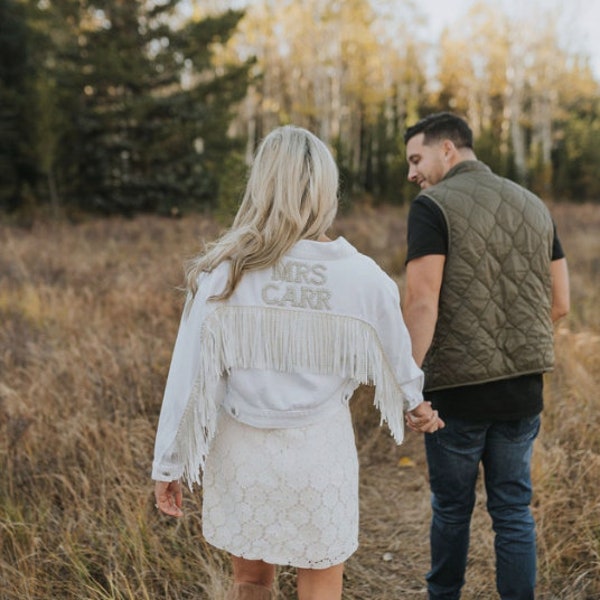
x,y
114,106
17,168
147,142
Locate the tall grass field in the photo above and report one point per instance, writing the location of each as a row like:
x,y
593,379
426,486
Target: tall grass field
x,y
88,317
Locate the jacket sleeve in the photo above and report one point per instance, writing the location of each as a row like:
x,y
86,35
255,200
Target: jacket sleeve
x,y
397,347
189,371
373,296
185,360
398,379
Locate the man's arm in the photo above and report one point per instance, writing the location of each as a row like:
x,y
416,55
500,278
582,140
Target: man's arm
x,y
420,305
561,303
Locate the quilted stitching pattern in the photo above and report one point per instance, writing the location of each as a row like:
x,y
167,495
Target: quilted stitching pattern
x,y
495,302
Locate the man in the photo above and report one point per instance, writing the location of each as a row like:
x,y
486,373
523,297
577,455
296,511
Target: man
x,y
485,279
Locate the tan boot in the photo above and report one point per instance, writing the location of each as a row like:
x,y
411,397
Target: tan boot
x,y
248,591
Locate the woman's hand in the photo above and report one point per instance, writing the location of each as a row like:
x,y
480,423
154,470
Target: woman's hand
x,y
169,497
423,419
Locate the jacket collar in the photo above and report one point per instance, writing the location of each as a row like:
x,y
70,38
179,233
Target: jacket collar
x,y
310,249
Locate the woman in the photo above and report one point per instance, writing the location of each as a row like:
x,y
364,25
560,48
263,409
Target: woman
x,y
280,326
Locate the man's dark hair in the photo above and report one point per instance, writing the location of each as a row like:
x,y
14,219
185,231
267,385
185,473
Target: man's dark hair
x,y
440,126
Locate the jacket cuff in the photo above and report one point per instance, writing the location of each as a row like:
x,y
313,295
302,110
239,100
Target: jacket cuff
x,y
166,472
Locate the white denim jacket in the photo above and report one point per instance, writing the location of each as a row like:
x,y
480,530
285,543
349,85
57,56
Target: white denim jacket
x,y
290,345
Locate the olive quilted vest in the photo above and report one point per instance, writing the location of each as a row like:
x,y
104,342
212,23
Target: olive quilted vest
x,y
494,318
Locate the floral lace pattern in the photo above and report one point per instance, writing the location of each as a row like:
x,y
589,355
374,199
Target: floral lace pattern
x,y
285,496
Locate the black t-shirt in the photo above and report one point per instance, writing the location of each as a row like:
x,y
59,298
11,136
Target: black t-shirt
x,y
506,399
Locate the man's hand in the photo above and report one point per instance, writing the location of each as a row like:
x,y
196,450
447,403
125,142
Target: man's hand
x,y
423,419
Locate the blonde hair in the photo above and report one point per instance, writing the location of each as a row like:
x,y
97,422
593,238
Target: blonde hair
x,y
291,194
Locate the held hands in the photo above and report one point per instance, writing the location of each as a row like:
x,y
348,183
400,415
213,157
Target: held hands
x,y
169,497
423,419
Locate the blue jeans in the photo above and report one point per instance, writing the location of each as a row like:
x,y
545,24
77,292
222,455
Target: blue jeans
x,y
453,456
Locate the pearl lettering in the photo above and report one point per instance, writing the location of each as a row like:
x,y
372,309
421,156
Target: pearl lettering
x,y
297,272
298,285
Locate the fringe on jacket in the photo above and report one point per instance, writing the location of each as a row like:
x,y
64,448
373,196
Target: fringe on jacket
x,y
233,337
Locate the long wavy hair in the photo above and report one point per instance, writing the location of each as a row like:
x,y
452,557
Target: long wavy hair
x,y
291,194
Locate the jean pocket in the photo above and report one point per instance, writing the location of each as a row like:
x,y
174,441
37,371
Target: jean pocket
x,y
461,436
522,430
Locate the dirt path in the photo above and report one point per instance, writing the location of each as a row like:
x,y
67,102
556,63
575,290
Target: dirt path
x,y
393,556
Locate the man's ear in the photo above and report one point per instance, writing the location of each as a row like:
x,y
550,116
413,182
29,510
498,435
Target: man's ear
x,y
448,148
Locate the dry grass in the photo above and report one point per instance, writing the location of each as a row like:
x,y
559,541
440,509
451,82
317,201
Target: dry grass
x,y
88,317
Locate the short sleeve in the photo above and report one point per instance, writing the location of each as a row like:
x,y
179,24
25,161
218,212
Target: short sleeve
x,y
557,249
427,229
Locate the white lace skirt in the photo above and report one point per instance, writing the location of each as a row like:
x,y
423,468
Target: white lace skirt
x,y
285,496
